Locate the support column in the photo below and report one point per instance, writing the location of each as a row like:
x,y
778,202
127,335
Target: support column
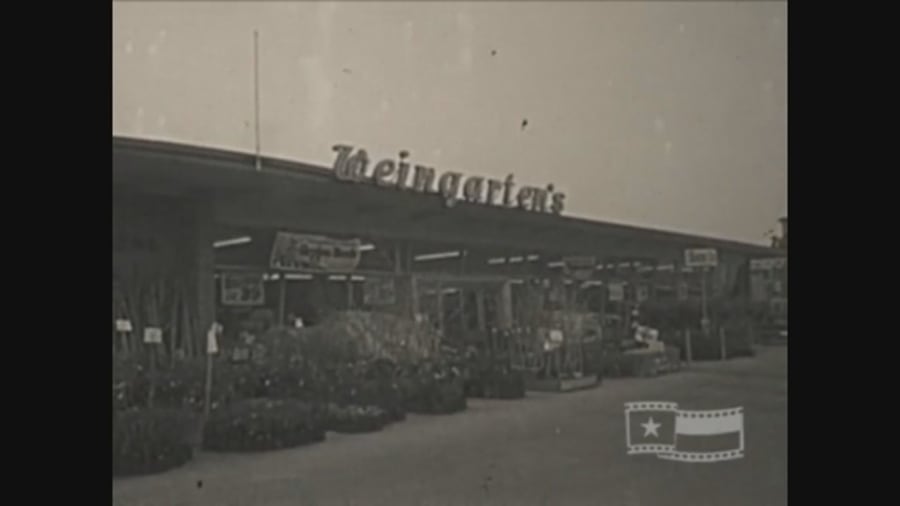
x,y
200,238
505,309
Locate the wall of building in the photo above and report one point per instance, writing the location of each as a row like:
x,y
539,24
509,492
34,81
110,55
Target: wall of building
x,y
163,268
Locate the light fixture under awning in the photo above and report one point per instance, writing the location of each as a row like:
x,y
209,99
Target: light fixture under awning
x,y
437,256
232,242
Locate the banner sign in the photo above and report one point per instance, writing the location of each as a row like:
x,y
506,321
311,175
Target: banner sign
x,y
243,289
701,258
300,252
379,291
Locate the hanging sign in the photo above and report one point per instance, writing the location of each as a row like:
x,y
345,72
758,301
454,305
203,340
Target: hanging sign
x,y
451,186
701,258
379,291
580,268
243,289
616,292
153,335
300,252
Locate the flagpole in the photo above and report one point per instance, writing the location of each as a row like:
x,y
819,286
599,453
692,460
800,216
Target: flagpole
x,y
256,95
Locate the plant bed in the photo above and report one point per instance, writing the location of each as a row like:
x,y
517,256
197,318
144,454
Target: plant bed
x,y
505,385
559,385
382,393
148,441
355,419
262,425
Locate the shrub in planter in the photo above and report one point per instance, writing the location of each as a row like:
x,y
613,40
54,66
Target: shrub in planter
x,y
436,394
263,424
449,396
366,383
354,419
383,389
149,441
503,384
383,393
181,385
129,383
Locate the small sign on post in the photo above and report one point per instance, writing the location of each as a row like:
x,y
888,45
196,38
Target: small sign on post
x,y
152,335
212,347
704,259
123,325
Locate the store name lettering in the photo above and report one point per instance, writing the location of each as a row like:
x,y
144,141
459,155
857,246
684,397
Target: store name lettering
x,y
451,186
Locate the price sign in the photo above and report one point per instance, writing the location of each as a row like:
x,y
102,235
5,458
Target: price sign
x,y
153,335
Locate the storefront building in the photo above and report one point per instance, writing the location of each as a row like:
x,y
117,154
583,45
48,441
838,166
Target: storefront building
x,y
203,235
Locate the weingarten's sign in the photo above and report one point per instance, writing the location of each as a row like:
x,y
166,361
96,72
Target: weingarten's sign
x,y
451,186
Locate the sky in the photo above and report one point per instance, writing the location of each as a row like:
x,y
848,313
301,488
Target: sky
x,y
668,115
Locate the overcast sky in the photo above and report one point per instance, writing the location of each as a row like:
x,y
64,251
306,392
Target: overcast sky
x,y
663,114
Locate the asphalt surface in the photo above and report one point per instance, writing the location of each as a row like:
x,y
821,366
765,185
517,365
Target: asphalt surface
x,y
547,449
